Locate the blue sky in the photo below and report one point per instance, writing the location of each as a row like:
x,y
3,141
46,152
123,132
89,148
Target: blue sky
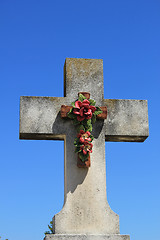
x,y
35,39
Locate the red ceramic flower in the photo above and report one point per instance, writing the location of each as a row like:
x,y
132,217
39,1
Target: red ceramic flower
x,y
84,136
83,110
86,147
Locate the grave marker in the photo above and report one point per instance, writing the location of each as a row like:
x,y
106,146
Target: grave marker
x,y
86,213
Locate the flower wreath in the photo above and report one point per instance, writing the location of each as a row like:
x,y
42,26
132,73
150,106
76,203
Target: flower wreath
x,y
83,113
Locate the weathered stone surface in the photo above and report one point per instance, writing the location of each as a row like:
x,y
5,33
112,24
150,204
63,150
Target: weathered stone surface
x,y
84,75
85,209
40,118
85,237
127,120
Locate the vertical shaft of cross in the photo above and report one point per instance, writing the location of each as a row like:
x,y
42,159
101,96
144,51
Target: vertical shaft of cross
x,y
85,207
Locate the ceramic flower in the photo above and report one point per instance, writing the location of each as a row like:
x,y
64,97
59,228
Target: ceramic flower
x,y
84,136
83,110
86,147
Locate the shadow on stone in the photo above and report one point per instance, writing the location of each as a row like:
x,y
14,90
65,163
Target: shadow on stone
x,y
78,179
68,133
97,128
60,125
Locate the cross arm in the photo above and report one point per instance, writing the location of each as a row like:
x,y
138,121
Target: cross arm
x,y
40,118
127,120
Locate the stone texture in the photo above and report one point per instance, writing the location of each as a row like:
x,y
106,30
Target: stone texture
x,y
40,118
127,120
86,237
85,210
84,75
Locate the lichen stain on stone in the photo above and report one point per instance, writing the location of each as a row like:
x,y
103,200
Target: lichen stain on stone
x,y
82,67
111,104
111,101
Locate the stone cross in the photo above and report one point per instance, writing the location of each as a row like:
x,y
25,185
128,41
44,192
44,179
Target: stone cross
x,y
86,213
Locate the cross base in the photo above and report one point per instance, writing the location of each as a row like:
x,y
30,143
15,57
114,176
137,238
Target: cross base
x,y
86,237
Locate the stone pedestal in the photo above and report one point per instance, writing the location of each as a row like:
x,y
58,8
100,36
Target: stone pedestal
x,y
86,237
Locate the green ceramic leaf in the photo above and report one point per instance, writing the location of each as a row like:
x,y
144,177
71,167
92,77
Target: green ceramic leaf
x,y
76,141
80,127
70,111
83,157
81,97
77,150
93,118
89,129
98,111
71,115
91,136
92,102
89,125
73,104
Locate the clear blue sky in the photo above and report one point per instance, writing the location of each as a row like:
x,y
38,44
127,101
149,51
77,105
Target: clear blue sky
x,y
35,38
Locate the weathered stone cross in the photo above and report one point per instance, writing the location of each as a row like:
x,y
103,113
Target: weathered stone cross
x,y
85,210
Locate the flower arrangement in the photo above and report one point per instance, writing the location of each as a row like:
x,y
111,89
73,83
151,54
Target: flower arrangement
x,y
83,113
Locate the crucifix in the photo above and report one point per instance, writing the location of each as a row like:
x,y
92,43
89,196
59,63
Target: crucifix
x,y
86,213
